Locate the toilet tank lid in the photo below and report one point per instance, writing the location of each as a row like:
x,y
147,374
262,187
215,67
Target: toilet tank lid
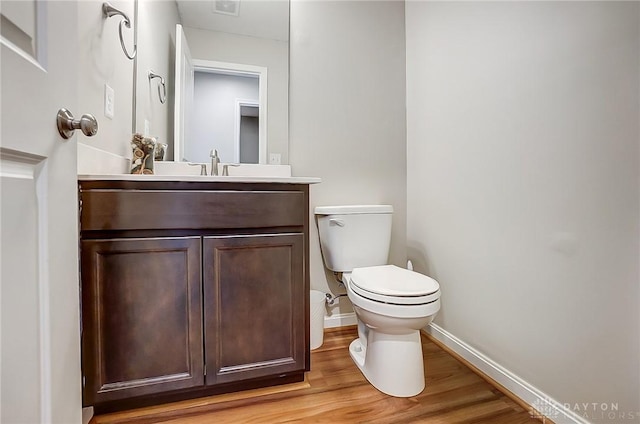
x,y
352,209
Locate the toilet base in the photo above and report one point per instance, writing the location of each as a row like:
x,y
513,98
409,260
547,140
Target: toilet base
x,y
392,363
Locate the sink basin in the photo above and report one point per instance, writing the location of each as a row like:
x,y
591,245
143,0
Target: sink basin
x,y
167,168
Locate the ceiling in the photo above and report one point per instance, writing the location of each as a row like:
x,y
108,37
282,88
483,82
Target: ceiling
x,y
256,18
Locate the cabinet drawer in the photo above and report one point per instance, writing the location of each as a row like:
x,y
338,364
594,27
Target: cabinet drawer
x,y
104,209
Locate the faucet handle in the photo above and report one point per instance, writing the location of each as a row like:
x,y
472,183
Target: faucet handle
x,y
203,167
225,168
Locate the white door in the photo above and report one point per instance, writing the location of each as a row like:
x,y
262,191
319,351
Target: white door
x,y
40,380
183,94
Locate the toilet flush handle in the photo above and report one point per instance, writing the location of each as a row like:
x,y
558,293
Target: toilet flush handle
x,y
338,222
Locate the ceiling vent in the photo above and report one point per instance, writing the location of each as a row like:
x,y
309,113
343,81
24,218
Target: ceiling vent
x,y
226,7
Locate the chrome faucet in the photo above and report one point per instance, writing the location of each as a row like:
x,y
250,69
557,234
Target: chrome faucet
x,y
215,160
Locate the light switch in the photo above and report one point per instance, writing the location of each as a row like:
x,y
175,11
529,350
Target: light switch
x,y
147,127
275,158
109,99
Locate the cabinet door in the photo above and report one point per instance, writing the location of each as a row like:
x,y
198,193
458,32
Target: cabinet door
x,y
254,306
142,317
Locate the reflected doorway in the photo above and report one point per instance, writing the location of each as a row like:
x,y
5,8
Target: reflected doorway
x,y
248,128
225,117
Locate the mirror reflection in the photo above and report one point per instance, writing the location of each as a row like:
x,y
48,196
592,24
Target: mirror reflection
x,y
218,71
232,93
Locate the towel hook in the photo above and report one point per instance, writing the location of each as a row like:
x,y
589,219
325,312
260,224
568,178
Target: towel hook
x,y
109,11
161,95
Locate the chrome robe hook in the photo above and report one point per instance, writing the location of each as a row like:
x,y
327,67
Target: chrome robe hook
x,y
161,95
109,11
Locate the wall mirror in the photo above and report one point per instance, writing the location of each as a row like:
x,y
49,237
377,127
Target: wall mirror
x,y
225,65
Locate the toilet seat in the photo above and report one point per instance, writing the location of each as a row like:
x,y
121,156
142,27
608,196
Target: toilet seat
x,y
391,307
394,285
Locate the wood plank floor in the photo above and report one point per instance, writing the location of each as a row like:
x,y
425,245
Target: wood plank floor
x,y
336,392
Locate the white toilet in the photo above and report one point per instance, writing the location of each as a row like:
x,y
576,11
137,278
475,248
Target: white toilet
x,y
392,304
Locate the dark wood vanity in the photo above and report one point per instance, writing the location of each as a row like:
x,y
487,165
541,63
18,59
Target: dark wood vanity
x,y
191,288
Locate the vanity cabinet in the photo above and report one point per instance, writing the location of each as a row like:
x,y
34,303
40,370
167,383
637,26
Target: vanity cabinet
x,y
191,289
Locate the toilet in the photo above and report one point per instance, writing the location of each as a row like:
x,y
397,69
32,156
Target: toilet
x,y
391,303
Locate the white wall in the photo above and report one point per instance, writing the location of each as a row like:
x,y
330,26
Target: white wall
x,y
214,114
101,60
156,43
347,112
522,186
271,54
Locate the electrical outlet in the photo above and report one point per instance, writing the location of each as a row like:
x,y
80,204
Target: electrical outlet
x,y
109,99
275,158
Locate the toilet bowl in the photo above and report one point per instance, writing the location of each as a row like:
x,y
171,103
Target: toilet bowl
x,y
388,350
392,304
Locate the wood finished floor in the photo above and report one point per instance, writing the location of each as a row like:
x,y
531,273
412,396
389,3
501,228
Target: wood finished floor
x,y
336,392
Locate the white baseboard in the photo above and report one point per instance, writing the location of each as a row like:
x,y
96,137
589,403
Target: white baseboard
x,y
340,320
87,414
529,394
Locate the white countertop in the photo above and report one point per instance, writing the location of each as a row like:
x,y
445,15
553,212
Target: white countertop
x,y
200,178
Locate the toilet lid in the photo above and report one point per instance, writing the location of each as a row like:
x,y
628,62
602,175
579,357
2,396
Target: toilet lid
x,y
390,281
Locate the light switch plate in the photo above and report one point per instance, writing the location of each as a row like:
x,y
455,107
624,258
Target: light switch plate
x,y
147,127
109,98
275,158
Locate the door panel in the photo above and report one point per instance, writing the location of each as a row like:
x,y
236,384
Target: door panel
x,y
142,317
254,325
40,378
183,94
21,296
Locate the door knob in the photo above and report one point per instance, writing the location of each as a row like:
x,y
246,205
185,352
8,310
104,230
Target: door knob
x,y
67,125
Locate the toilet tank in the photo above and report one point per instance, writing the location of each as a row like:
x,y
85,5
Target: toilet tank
x,y
354,236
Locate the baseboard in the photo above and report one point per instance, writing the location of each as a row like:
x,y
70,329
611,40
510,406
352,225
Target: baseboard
x,y
340,320
538,403
87,414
